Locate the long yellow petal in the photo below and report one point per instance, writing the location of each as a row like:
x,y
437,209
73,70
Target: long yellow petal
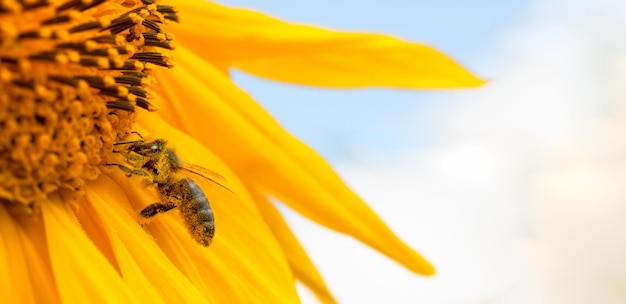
x,y
15,284
299,260
270,48
82,273
31,246
244,254
213,110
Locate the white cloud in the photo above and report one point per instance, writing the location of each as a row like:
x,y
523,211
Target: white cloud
x,y
522,197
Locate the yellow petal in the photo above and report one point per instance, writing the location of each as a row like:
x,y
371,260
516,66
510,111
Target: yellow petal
x,y
82,273
270,48
30,245
299,260
23,277
144,267
212,109
12,261
244,254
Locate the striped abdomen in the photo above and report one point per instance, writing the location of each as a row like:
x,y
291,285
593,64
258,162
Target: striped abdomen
x,y
195,209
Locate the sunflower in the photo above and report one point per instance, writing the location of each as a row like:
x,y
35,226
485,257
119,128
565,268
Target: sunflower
x,y
84,151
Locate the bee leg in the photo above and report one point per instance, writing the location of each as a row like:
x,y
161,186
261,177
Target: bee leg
x,y
129,171
134,157
156,208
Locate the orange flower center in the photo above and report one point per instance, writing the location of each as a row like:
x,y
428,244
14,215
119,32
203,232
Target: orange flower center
x,y
72,74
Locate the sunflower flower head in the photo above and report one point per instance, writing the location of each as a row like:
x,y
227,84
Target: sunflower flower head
x,y
80,185
71,75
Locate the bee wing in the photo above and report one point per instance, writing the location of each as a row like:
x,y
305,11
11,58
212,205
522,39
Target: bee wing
x,y
206,174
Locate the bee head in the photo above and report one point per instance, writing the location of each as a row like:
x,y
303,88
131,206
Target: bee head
x,y
156,146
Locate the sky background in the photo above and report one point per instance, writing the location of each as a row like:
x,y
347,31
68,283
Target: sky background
x,y
335,122
513,191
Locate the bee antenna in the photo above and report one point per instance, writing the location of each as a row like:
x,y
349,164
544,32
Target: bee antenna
x,y
131,141
137,133
128,142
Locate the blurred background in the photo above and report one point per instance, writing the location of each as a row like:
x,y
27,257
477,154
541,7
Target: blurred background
x,y
515,191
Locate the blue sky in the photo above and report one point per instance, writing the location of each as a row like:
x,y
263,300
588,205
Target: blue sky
x,y
440,167
340,123
514,191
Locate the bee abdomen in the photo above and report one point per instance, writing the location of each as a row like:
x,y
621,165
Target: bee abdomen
x,y
197,213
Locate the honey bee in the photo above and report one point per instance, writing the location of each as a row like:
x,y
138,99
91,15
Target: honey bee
x,y
160,165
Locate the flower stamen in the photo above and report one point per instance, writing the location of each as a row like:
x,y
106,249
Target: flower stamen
x,y
71,75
